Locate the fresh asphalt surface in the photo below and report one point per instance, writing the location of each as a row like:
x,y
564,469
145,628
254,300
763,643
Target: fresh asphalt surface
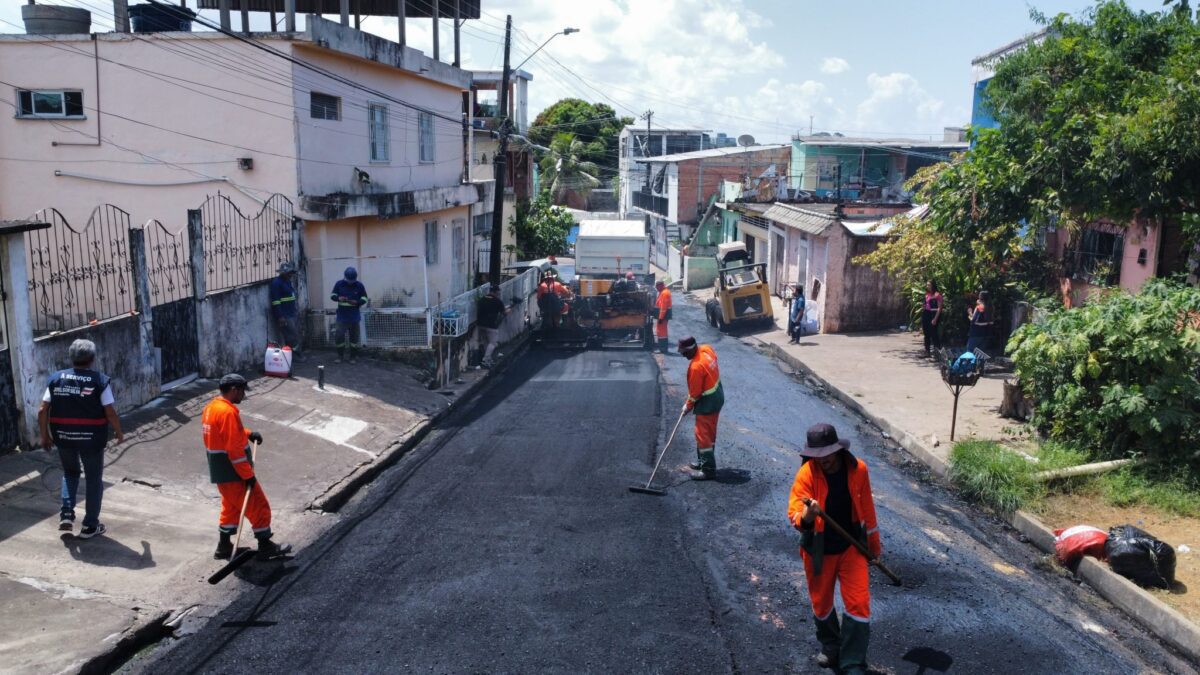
x,y
507,542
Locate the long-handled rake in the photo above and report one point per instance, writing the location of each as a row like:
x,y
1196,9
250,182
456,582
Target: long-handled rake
x,y
647,490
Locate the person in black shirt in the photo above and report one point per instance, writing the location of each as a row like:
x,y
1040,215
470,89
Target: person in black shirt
x,y
491,314
981,318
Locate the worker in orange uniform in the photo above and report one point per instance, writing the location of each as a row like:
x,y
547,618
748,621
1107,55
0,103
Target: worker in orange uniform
x,y
838,483
230,467
705,399
552,297
663,314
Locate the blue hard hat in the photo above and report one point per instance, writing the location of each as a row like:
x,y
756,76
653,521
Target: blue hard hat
x,y
351,274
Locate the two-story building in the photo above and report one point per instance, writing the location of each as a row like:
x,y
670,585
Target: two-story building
x,y
637,142
363,136
520,167
865,169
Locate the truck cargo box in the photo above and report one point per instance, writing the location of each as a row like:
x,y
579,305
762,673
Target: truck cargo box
x,y
612,247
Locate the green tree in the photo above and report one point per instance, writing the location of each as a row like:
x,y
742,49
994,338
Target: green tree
x,y
565,168
596,125
540,227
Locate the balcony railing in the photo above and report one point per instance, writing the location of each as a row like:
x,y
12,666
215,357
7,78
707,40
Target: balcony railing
x,y
648,202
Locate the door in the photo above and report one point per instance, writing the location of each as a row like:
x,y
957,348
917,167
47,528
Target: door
x,y
177,339
9,436
777,269
458,249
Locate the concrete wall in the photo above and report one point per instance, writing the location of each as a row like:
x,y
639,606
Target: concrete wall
x,y
375,247
699,272
330,150
184,95
8,405
233,330
869,299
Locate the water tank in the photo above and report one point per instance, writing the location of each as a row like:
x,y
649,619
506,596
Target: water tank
x,y
55,20
149,18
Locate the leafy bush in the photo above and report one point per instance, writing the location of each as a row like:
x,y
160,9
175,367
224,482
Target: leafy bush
x,y
987,473
540,227
1118,375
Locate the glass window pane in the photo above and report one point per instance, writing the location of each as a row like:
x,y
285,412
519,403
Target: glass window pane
x,y
74,103
47,103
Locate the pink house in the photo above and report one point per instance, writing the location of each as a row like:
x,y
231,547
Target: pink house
x,y
363,135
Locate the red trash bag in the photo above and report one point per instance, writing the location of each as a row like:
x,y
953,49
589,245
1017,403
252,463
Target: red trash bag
x,y
1071,544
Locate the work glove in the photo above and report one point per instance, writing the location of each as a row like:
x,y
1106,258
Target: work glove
x,y
251,482
256,437
686,409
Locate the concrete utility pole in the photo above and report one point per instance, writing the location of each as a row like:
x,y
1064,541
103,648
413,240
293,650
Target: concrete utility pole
x,y
501,163
647,116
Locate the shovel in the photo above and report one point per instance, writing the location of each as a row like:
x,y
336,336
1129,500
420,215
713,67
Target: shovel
x,y
239,557
647,490
854,540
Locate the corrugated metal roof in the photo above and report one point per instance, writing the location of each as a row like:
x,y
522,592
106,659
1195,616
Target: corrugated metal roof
x,y
705,154
468,9
885,143
812,222
882,227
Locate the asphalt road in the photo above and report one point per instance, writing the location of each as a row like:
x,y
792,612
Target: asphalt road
x,y
508,543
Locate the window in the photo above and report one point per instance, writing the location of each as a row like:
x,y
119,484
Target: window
x,y
1097,256
425,134
50,103
324,107
431,242
377,123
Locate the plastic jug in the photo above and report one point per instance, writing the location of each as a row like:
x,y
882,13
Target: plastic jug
x,y
277,362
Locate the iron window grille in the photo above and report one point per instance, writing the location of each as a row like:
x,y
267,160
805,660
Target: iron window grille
x,y
50,103
325,107
425,134
378,129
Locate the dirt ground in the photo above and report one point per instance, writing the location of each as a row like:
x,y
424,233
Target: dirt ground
x,y
1062,511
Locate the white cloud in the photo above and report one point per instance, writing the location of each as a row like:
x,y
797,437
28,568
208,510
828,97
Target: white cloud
x,y
834,65
895,100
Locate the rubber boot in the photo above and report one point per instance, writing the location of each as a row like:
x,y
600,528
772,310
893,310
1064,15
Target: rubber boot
x,y
224,547
829,634
708,464
853,656
662,345
269,550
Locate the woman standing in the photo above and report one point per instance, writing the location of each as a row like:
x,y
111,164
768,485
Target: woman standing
x,y
930,316
981,323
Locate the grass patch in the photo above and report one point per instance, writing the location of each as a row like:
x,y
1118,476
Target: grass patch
x,y
1052,456
1177,493
988,474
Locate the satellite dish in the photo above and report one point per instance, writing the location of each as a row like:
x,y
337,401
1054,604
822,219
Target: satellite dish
x,y
745,140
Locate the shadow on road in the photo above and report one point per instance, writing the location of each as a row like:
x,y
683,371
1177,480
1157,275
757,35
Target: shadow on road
x,y
104,552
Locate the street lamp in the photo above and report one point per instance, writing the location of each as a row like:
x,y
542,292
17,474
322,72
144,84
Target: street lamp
x,y
565,31
500,158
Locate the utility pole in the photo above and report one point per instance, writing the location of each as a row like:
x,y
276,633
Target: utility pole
x,y
647,116
501,162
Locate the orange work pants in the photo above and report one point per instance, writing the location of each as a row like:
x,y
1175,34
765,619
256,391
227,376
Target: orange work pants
x,y
847,569
706,430
258,511
660,329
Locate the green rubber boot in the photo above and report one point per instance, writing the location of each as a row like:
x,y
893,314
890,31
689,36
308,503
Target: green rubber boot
x,y
707,460
853,657
829,634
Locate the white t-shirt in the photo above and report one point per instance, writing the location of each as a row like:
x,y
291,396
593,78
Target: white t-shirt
x,y
106,396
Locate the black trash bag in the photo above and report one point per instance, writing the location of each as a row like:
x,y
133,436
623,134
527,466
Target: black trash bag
x,y
1138,556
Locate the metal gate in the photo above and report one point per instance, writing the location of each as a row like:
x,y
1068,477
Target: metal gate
x,y
169,268
9,436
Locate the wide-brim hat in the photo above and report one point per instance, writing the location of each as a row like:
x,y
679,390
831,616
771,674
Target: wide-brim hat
x,y
823,441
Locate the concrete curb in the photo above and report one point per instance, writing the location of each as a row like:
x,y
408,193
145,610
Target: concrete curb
x,y
142,633
336,496
1167,624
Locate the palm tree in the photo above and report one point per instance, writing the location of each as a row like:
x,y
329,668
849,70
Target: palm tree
x,y
566,172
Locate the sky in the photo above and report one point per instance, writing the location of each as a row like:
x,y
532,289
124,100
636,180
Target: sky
x,y
769,68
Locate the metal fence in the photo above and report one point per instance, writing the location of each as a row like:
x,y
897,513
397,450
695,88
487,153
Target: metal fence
x,y
387,327
240,249
80,276
453,317
168,263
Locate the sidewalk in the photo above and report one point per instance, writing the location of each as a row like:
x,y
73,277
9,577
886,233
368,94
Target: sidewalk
x,y
65,602
887,377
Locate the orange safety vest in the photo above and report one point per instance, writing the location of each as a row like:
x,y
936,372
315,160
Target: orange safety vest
x,y
705,394
810,484
663,303
225,440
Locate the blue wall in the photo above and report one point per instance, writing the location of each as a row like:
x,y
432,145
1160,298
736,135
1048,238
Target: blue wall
x,y
981,116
